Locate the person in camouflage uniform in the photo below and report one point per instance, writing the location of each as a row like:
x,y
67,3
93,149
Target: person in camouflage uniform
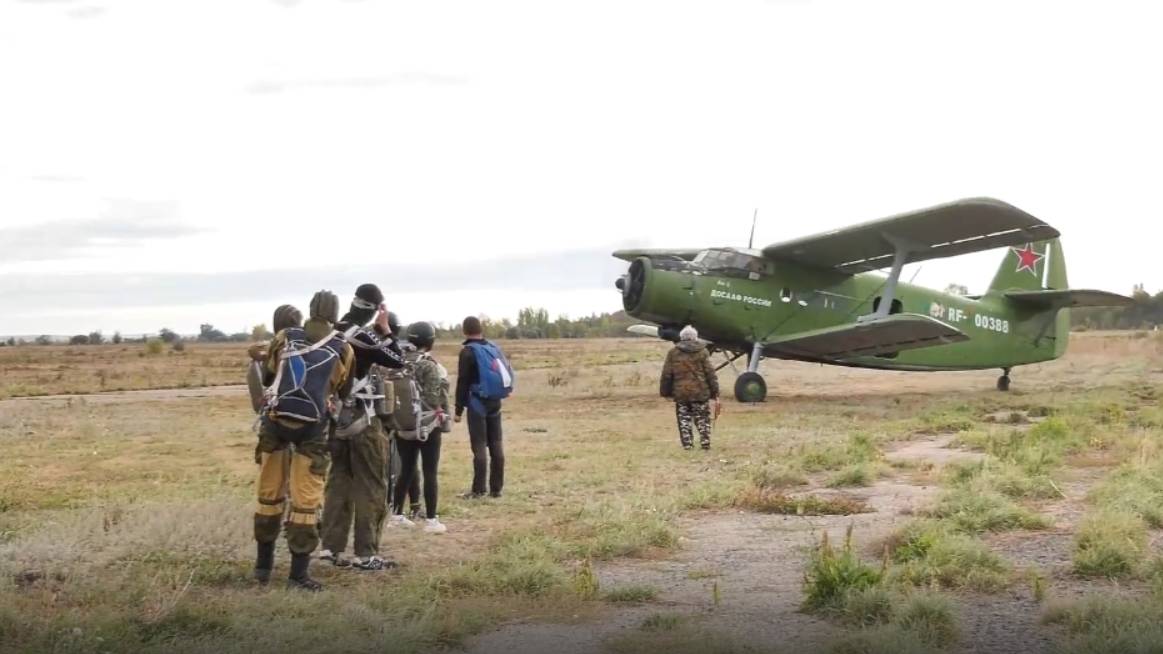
x,y
690,380
357,488
293,457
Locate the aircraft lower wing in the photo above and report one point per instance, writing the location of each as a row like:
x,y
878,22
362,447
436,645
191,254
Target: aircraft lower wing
x,y
1069,298
894,333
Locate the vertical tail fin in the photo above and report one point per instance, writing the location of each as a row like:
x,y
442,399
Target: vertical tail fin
x,y
1031,267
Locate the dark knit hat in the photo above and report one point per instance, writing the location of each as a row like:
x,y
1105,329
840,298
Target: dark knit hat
x,y
367,296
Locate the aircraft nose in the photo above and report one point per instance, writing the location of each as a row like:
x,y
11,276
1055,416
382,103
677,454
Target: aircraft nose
x,y
633,284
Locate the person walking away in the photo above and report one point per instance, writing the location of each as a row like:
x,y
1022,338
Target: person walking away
x,y
357,488
305,369
484,379
689,378
421,417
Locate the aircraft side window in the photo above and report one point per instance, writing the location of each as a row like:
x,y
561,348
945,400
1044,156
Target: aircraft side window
x,y
785,295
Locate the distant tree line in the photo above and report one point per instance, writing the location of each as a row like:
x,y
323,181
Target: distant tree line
x,y
1145,313
207,333
536,323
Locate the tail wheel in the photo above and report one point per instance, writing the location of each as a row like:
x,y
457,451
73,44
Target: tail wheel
x,y
750,388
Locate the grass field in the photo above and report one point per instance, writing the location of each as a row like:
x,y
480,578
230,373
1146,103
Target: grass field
x,y
855,511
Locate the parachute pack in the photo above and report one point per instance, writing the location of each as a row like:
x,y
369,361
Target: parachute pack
x,y
302,384
495,375
414,419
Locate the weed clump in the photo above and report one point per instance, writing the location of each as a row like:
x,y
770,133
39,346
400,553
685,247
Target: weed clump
x,y
859,448
930,555
833,574
857,474
1110,544
1137,489
525,565
930,617
631,594
774,476
975,511
882,640
1104,624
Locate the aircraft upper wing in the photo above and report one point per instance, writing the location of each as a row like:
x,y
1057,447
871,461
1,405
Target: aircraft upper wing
x,y
946,230
685,255
1070,298
894,333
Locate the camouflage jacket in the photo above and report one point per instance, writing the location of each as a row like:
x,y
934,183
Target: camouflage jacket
x,y
432,378
688,375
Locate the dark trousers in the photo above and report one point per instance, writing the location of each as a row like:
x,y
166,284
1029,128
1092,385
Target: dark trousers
x,y
484,433
429,453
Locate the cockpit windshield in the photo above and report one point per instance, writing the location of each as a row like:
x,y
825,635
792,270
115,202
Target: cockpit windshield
x,y
732,261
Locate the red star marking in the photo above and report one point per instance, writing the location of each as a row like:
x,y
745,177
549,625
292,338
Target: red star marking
x,y
1028,259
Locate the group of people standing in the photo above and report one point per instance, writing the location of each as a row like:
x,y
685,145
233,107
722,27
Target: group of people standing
x,y
338,400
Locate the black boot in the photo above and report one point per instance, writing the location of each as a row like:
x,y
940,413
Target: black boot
x,y
299,578
264,562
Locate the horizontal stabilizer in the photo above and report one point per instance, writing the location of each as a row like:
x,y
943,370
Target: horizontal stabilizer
x,y
894,333
961,227
1069,298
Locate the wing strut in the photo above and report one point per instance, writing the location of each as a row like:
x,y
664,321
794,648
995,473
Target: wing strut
x,y
899,258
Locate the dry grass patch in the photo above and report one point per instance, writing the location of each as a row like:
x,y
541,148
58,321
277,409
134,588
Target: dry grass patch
x,y
764,501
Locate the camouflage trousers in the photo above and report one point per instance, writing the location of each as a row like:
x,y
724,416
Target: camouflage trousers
x,y
691,416
291,462
357,491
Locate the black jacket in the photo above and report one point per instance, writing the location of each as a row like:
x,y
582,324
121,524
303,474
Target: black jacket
x,y
371,348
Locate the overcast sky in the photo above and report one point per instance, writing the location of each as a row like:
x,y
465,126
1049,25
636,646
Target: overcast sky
x,y
167,163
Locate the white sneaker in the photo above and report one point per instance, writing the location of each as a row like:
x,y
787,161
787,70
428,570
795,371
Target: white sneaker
x,y
400,521
434,526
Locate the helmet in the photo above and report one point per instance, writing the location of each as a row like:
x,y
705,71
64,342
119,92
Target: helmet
x,y
394,323
286,316
421,334
325,306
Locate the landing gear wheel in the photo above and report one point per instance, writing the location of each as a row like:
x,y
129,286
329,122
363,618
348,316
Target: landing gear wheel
x,y
750,388
1003,383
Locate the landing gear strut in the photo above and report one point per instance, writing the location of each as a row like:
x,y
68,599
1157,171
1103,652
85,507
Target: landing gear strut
x,y
1003,382
750,386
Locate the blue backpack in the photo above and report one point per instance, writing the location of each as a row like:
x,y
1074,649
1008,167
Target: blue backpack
x,y
495,375
302,384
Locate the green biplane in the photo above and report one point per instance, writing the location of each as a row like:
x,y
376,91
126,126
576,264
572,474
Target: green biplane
x,y
817,299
